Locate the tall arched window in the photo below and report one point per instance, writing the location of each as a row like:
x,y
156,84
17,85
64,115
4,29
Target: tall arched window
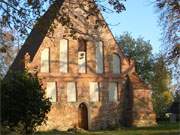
x,y
63,54
82,55
116,69
45,60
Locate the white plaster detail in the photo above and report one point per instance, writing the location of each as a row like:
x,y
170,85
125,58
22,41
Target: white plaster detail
x,y
82,62
63,55
99,57
51,91
45,60
112,90
71,92
94,91
116,64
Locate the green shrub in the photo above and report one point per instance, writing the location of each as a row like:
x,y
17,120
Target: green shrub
x,y
23,102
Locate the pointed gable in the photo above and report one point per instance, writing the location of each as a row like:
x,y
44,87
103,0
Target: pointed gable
x,y
84,24
79,72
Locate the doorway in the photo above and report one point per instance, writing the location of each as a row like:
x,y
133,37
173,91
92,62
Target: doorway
x,y
83,116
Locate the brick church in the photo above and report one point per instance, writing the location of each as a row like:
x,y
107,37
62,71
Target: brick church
x,y
91,84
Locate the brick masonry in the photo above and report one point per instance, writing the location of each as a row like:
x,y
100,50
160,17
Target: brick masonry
x,y
134,105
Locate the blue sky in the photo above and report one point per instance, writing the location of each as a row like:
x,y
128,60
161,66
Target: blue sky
x,y
140,19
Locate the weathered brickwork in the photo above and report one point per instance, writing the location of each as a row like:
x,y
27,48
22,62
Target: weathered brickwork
x,y
133,105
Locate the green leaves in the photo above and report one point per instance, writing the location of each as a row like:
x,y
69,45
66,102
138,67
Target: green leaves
x,y
140,51
21,15
162,97
152,70
117,5
23,101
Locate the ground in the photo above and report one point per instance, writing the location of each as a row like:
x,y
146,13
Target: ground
x,y
163,128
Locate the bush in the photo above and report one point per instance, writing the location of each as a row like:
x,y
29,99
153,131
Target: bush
x,y
23,102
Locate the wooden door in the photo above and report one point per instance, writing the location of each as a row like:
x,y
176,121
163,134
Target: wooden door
x,y
83,116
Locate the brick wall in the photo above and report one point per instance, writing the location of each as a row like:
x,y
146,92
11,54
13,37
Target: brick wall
x,y
102,114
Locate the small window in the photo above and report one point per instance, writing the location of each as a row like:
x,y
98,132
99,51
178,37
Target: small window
x,y
112,89
71,92
51,91
94,91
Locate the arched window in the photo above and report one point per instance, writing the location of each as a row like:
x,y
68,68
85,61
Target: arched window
x,y
82,55
63,54
45,60
116,64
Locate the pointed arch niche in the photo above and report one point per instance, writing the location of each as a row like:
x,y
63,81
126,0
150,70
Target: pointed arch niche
x,y
82,55
116,64
45,60
51,91
63,55
99,58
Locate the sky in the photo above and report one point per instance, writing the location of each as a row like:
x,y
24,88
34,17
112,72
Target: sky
x,y
140,19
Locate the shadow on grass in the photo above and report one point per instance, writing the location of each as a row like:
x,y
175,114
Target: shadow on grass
x,y
117,132
167,133
53,132
161,126
164,128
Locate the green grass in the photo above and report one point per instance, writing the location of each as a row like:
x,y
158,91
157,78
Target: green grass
x,y
161,129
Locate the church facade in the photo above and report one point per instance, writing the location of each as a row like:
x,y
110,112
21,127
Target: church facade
x,y
91,84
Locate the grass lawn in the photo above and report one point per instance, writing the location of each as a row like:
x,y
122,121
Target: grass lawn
x,y
161,129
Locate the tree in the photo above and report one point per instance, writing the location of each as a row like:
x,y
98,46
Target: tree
x,y
140,51
23,14
1,69
177,97
162,97
23,102
153,70
170,21
7,51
